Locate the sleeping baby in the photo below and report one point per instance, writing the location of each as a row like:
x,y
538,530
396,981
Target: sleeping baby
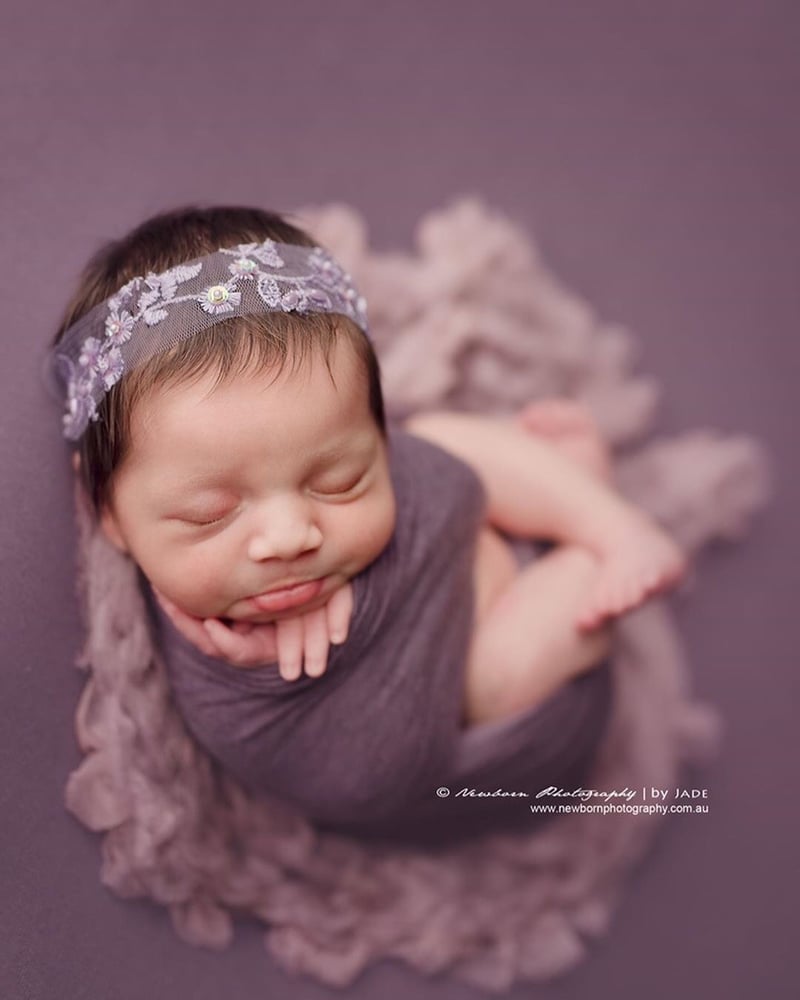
x,y
353,613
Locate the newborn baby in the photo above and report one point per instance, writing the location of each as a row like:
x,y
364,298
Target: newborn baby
x,y
272,513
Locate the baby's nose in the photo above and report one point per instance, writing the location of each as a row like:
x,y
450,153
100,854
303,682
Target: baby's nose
x,y
283,529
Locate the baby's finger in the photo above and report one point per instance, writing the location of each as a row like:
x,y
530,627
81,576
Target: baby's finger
x,y
257,648
316,642
290,648
262,644
230,645
339,610
189,627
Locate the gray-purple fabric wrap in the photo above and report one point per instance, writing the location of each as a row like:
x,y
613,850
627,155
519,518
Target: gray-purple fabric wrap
x,y
364,748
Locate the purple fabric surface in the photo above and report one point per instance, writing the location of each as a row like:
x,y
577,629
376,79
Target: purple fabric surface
x,y
654,153
363,749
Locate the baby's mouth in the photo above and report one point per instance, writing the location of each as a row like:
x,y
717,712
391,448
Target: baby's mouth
x,y
288,597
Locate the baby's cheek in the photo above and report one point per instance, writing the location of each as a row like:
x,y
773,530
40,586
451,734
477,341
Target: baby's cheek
x,y
372,529
387,519
193,583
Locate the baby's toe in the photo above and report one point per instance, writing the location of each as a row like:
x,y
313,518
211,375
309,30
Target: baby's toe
x,y
607,605
620,603
650,580
635,594
626,598
680,571
555,415
589,616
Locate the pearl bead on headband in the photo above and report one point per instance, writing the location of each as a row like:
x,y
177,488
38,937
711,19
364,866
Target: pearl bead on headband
x,y
150,314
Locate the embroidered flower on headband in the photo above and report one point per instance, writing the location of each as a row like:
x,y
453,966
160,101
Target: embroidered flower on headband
x,y
152,313
119,327
220,298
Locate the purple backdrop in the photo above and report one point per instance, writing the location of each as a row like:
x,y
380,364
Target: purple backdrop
x,y
652,152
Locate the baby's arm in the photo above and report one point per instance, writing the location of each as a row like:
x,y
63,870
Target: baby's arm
x,y
287,642
536,491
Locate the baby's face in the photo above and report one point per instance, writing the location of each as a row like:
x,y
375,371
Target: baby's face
x,y
227,493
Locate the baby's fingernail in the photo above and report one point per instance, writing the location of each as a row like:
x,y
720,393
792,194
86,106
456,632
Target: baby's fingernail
x,y
291,671
315,669
338,637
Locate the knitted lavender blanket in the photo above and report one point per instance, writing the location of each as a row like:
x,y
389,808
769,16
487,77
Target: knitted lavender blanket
x,y
471,320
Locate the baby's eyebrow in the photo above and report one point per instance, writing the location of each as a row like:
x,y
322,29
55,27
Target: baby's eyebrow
x,y
339,449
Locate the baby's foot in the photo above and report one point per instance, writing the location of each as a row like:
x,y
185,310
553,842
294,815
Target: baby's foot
x,y
571,428
640,563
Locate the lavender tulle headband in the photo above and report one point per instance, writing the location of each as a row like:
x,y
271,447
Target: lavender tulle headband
x,y
152,313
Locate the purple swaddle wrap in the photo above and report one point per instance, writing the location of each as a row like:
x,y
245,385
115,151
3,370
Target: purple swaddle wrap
x,y
363,749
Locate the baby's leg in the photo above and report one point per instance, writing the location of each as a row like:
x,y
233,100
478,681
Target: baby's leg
x,y
571,428
526,644
532,647
644,560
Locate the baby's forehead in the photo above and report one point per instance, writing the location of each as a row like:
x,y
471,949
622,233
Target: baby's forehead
x,y
313,365
306,416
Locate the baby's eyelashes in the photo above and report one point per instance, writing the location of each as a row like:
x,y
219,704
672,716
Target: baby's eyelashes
x,y
345,486
207,524
204,520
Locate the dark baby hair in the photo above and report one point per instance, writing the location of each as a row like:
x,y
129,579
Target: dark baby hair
x,y
229,347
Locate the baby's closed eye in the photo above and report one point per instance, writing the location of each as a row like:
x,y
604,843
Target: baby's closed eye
x,y
334,487
202,520
205,524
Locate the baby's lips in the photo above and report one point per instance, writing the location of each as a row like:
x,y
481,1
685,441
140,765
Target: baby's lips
x,y
289,597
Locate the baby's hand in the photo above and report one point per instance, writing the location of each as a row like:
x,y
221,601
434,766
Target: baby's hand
x,y
247,644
